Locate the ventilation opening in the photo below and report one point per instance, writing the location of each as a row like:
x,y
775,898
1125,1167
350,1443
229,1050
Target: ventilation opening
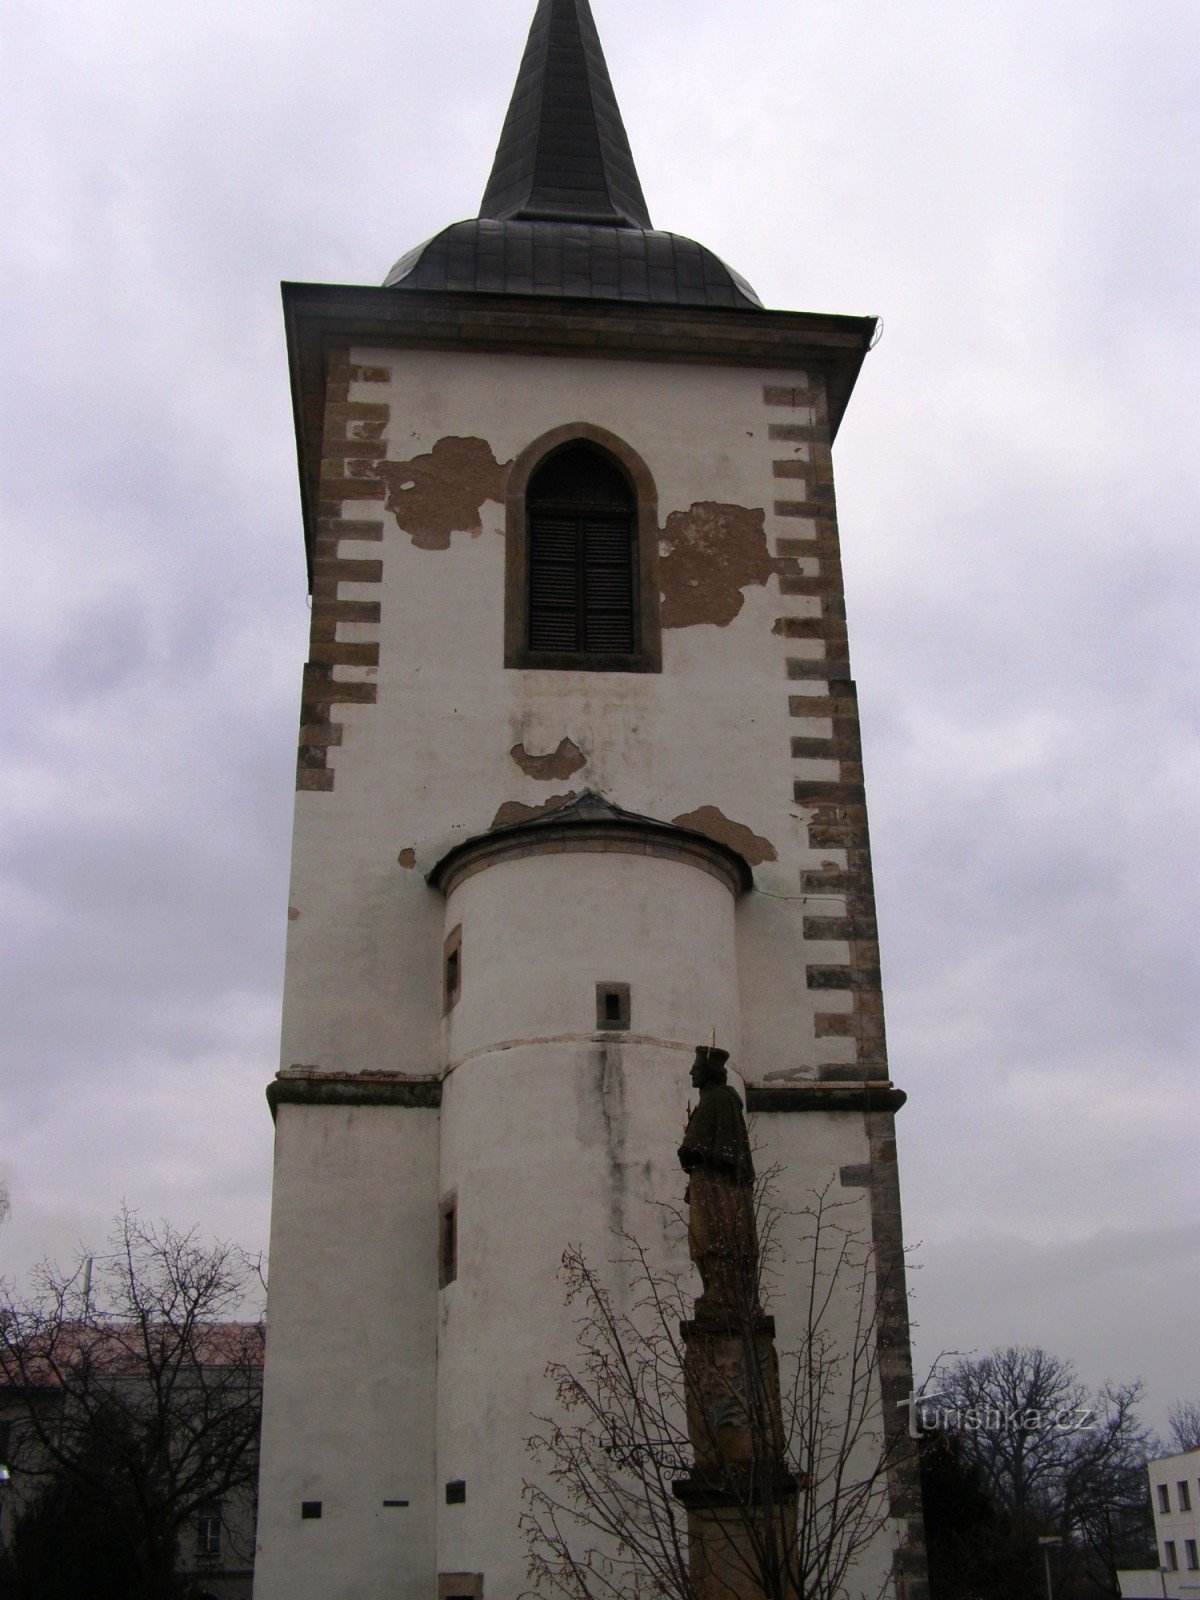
x,y
460,1586
612,1005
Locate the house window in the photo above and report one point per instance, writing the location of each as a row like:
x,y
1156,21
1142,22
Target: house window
x,y
1184,1496
448,1241
1172,1560
581,578
208,1531
1164,1497
1193,1560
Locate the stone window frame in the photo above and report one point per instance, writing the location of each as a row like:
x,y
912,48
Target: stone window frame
x,y
647,654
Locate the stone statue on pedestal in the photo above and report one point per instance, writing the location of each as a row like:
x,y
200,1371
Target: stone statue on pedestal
x,y
740,1494
715,1154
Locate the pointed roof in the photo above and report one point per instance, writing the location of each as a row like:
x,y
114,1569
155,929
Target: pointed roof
x,y
564,155
564,213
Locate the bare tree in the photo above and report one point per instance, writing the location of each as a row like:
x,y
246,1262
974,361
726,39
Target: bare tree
x,y
1052,1455
132,1390
804,1462
1183,1419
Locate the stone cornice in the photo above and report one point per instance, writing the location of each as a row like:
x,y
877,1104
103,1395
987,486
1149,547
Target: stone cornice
x,y
314,1087
539,837
864,1096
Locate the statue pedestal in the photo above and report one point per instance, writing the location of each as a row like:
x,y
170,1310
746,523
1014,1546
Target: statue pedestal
x,y
739,1496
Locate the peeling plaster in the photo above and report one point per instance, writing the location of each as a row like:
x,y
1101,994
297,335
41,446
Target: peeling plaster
x,y
707,556
517,811
563,762
442,493
716,825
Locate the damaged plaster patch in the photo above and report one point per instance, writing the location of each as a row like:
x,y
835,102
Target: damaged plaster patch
x,y
707,556
516,811
716,825
407,858
436,495
563,762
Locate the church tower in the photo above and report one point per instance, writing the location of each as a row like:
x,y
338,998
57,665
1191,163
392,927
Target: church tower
x,y
579,789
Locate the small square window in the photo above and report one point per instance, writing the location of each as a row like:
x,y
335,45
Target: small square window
x,y
456,1492
1184,1495
1164,1497
612,1006
310,1510
448,1241
452,970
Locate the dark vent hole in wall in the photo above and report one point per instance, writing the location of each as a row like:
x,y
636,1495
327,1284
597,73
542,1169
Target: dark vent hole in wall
x,y
612,1005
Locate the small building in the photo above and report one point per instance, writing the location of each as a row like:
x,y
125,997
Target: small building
x,y
215,1545
1175,1500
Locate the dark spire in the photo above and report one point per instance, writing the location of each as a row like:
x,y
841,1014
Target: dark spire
x,y
563,154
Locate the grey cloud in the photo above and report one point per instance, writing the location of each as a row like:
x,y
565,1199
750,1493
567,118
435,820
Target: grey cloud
x,y
1013,188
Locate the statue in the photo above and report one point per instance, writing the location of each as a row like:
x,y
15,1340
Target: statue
x,y
715,1154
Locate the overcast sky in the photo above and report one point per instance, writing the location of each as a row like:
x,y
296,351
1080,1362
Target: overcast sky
x,y
1012,188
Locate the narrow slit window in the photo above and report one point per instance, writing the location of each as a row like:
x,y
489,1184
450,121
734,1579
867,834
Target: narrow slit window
x,y
452,971
448,1242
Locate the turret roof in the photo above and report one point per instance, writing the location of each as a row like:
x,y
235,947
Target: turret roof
x,y
563,213
564,155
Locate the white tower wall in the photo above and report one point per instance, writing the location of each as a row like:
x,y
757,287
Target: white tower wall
x,y
545,1129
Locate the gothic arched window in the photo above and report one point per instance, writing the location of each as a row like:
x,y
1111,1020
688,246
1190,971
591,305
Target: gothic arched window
x,y
582,573
582,556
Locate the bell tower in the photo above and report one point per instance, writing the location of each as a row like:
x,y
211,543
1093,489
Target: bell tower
x,y
579,787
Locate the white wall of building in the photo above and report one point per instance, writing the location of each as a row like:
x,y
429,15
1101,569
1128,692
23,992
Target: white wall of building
x,y
380,1386
1175,1497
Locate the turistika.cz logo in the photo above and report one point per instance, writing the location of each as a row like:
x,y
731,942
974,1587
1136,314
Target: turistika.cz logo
x,y
926,1414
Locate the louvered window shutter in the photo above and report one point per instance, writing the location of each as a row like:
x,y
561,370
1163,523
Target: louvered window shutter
x,y
582,570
